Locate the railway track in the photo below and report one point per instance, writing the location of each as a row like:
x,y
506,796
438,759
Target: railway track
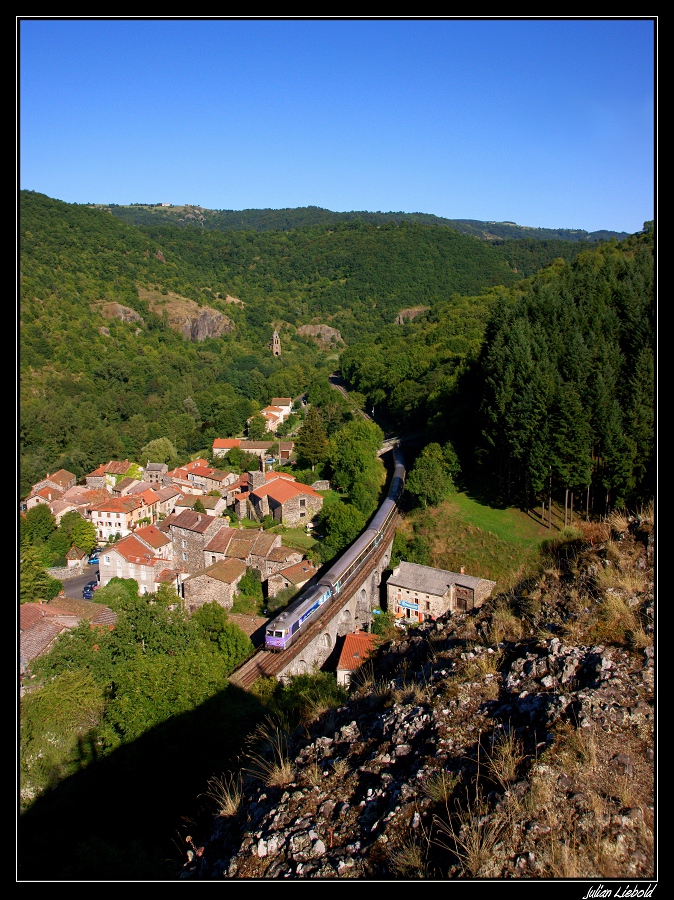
x,y
265,663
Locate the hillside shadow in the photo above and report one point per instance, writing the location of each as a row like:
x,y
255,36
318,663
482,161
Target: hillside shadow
x,y
125,817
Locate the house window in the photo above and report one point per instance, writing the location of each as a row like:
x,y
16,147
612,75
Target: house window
x,y
303,515
428,605
106,560
184,555
303,502
184,544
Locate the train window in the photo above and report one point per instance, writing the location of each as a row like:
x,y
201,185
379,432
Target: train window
x,y
278,634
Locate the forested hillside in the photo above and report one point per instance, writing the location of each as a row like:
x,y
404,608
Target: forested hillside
x,y
554,396
192,216
105,369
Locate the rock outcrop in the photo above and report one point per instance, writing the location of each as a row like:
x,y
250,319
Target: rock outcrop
x,y
468,752
324,335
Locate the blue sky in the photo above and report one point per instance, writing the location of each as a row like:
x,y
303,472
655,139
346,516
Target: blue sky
x,y
545,122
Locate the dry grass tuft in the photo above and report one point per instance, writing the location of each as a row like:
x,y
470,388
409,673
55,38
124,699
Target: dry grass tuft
x,y
411,692
617,622
575,748
470,834
227,792
269,754
505,625
439,786
341,768
408,859
619,522
506,757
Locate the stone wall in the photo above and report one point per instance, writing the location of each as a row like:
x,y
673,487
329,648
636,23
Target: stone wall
x,y
64,572
203,589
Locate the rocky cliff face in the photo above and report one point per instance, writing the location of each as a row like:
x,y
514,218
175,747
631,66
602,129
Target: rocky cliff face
x,y
322,334
514,741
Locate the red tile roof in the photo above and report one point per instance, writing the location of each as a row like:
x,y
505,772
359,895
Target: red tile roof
x,y
152,536
226,443
282,490
357,647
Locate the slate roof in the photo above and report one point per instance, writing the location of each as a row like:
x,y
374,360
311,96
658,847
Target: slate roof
x,y
298,573
415,577
193,521
225,570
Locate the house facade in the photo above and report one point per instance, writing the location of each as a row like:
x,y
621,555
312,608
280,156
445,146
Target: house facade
x,y
190,533
143,556
216,583
416,593
285,501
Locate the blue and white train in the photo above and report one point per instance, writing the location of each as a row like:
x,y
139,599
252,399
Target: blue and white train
x,y
292,622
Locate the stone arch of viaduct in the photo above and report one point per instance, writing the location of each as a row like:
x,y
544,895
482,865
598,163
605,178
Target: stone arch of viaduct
x,y
357,610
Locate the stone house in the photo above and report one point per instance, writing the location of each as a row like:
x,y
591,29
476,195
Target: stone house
x,y
109,474
216,583
415,593
284,403
258,549
257,448
285,501
295,576
190,532
124,486
167,498
155,472
219,480
59,481
285,450
46,494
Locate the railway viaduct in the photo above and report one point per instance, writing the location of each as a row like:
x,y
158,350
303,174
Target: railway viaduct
x,y
351,608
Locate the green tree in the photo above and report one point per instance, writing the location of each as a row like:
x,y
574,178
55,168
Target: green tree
x,y
199,506
429,479
311,442
79,531
160,450
341,523
257,428
35,585
39,524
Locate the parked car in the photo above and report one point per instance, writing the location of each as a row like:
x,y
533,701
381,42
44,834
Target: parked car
x,y
91,586
93,560
87,594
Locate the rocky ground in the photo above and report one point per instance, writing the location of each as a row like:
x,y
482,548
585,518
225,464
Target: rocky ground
x,y
515,741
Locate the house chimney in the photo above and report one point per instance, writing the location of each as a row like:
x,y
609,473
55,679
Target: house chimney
x,y
463,570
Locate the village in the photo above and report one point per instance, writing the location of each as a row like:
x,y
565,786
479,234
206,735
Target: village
x,y
193,528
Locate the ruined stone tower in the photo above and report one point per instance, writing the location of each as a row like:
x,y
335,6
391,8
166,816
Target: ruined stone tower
x,y
276,344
